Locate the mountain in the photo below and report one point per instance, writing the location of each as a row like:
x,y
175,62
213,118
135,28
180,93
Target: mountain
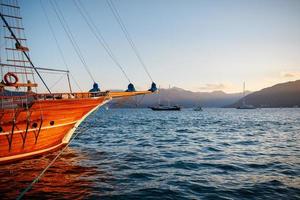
x,y
280,95
181,97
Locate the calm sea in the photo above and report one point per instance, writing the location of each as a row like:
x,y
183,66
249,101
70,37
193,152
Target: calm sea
x,y
142,154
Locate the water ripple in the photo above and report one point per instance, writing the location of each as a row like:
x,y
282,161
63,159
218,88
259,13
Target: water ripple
x,y
140,154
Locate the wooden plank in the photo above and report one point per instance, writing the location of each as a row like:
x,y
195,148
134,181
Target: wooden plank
x,y
10,60
9,5
17,66
14,27
26,85
28,67
23,72
20,85
11,16
6,37
13,49
127,94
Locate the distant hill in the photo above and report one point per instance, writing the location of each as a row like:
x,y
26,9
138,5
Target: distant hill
x,y
181,97
280,95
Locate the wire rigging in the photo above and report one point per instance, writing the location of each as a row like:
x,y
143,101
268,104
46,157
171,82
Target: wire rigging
x,y
53,34
118,18
56,82
57,43
70,36
96,32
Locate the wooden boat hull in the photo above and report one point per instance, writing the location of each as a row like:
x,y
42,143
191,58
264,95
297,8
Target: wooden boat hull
x,y
46,126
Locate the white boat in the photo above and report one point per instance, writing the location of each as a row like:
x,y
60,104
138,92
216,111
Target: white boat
x,y
244,104
198,108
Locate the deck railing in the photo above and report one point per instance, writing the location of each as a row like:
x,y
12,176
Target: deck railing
x,y
76,95
25,99
45,96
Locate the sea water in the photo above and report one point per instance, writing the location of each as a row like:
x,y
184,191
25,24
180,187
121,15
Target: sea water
x,y
143,154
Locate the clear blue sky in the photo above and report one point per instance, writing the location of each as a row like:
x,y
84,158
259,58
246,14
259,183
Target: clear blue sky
x,y
199,45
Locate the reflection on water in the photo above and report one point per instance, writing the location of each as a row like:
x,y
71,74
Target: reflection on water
x,y
68,178
137,154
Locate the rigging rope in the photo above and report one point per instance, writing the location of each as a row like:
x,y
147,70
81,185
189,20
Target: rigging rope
x,y
70,36
24,33
95,30
57,43
56,82
118,18
75,81
53,34
26,55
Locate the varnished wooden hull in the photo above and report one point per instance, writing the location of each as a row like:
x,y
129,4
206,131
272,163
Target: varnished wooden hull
x,y
46,126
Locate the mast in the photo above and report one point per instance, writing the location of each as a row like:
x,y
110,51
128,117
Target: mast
x,y
159,97
168,97
244,93
18,43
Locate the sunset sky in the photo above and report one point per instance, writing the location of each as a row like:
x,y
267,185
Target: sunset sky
x,y
196,45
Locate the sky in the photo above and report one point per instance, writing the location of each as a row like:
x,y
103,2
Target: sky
x,y
198,45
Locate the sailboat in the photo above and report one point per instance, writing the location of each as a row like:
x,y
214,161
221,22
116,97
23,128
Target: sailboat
x,y
165,108
33,123
244,105
162,107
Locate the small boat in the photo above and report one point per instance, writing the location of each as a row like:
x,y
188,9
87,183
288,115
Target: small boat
x,y
198,108
165,108
245,106
168,107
